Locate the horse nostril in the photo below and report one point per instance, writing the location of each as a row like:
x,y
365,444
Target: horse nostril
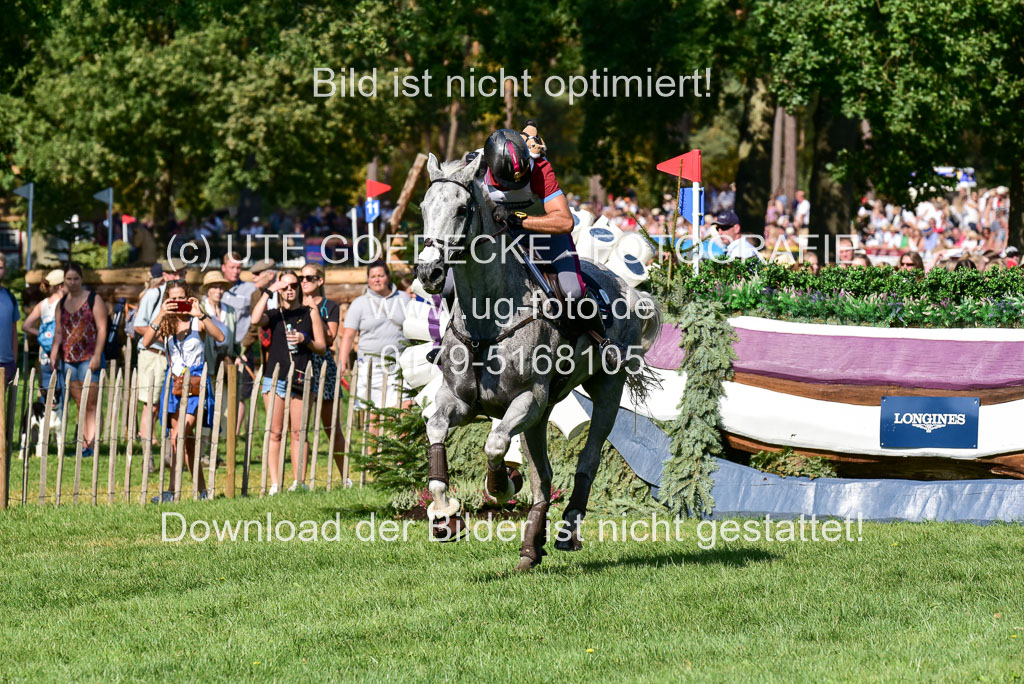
x,y
436,274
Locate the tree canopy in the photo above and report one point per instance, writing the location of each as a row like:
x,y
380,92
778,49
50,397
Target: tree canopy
x,y
182,106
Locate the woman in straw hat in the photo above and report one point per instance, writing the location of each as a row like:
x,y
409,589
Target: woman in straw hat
x,y
214,285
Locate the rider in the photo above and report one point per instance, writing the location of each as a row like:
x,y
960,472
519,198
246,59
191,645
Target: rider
x,y
529,199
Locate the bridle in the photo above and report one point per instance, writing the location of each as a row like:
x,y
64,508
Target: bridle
x,y
457,247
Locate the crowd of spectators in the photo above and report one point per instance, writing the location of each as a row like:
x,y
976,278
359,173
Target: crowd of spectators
x,y
967,228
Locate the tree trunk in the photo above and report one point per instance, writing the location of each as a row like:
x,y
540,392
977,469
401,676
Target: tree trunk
x,y
831,201
597,194
777,133
754,173
509,107
789,156
162,200
453,129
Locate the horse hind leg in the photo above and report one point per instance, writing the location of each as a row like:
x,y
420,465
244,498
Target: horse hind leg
x,y
535,534
502,481
605,390
444,512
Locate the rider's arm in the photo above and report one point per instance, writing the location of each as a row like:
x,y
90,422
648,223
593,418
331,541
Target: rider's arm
x,y
557,218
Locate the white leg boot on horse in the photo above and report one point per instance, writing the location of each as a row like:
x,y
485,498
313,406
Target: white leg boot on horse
x,y
445,512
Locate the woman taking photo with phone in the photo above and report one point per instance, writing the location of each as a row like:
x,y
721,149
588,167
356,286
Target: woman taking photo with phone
x,y
78,341
181,325
296,333
313,295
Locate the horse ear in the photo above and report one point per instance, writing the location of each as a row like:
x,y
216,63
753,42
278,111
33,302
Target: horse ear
x,y
433,168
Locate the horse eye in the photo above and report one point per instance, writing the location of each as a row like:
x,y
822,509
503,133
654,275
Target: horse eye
x,y
461,211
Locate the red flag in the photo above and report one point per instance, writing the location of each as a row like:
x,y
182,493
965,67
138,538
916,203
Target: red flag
x,y
373,188
127,218
690,165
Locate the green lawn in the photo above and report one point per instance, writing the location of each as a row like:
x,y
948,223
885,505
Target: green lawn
x,y
93,594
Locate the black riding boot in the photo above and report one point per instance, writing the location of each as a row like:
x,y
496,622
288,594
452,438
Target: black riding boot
x,y
586,317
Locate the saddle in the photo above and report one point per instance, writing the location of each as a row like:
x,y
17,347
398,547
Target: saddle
x,y
591,290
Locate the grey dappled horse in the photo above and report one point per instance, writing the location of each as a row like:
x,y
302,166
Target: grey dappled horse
x,y
489,358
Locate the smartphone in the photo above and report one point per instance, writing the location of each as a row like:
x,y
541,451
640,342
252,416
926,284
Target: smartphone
x,y
181,305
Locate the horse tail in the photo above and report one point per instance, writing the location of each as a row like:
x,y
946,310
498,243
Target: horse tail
x,y
649,312
642,381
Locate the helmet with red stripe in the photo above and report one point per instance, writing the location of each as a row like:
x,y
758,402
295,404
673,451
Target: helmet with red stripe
x,y
508,159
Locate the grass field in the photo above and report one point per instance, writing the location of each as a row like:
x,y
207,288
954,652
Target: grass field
x,y
93,594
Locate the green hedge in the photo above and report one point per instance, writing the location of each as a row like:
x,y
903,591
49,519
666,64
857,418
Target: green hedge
x,y
94,257
877,296
397,461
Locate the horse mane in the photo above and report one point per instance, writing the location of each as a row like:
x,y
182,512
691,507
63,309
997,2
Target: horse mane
x,y
452,166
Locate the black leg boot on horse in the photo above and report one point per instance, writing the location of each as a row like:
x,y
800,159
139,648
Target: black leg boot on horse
x,y
568,537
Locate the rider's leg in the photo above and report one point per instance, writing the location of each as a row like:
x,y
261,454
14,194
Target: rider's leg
x,y
581,310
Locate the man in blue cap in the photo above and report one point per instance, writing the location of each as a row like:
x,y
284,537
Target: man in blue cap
x,y
736,246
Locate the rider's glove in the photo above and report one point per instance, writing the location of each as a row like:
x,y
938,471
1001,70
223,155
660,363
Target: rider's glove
x,y
504,218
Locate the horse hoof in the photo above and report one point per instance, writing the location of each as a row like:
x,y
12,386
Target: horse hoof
x,y
525,564
448,529
572,544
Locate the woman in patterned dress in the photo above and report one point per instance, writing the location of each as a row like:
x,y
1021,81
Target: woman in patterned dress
x,y
77,340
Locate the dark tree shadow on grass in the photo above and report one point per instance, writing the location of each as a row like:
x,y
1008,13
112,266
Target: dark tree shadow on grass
x,y
359,509
559,563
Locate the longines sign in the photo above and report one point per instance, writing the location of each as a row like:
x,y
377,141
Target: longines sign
x,y
919,422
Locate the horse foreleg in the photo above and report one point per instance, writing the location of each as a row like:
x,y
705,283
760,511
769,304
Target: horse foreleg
x,y
446,523
502,481
535,534
605,392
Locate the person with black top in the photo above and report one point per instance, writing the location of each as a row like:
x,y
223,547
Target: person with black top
x,y
313,294
296,333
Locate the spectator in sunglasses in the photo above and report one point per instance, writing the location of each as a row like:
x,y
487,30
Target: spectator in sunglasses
x,y
911,261
314,296
296,334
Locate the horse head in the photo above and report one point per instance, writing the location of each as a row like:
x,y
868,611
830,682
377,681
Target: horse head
x,y
452,216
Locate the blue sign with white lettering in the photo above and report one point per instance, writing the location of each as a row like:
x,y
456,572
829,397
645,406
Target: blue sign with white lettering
x,y
921,422
372,210
686,204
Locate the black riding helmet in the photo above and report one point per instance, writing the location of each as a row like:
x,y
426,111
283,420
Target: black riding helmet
x,y
508,159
